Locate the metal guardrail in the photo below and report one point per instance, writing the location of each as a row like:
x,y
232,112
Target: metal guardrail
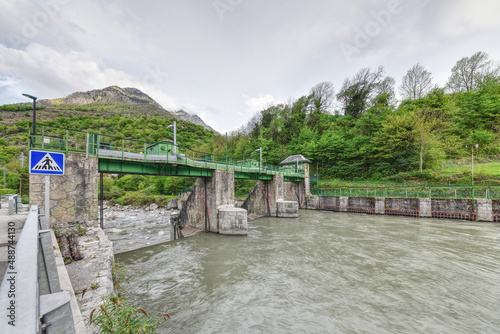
x,y
31,300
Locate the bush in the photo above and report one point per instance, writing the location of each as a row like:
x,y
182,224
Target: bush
x,y
118,315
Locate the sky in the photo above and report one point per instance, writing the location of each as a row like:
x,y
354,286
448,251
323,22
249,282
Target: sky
x,y
225,60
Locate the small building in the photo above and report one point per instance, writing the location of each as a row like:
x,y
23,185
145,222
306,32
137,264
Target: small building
x,y
164,147
296,162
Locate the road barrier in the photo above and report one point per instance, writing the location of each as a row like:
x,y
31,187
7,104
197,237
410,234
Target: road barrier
x,y
31,300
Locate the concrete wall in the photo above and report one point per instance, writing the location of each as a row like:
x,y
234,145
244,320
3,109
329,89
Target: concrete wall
x,y
202,208
452,205
486,210
295,191
195,205
361,202
327,202
73,196
397,203
262,200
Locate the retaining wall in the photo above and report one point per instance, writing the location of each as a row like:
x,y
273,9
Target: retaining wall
x,y
462,209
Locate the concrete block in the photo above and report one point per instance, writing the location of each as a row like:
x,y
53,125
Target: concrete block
x,y
379,205
424,205
287,209
484,209
344,201
312,202
233,221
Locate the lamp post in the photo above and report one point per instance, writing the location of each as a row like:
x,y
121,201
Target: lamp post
x,y
175,134
34,110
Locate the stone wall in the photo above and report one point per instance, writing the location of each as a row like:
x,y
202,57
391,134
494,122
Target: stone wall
x,y
73,196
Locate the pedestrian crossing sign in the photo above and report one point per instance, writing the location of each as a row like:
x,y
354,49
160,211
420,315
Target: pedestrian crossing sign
x,y
46,163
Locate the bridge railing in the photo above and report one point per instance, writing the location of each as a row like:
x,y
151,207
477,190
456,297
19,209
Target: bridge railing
x,y
73,141
465,192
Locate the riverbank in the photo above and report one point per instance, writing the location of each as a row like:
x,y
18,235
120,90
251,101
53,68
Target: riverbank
x,y
131,227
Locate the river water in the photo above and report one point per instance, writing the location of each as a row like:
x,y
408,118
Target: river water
x,y
326,272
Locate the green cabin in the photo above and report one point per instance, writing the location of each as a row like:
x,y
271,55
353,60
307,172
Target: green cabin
x,y
164,147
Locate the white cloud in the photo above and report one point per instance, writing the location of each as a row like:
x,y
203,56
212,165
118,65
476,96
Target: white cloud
x,y
53,74
464,17
258,103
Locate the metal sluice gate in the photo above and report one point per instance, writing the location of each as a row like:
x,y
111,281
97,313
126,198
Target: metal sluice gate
x,y
357,209
403,212
471,216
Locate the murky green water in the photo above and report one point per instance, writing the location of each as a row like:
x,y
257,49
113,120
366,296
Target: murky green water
x,y
326,273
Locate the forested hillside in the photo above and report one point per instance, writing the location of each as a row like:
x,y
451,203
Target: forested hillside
x,y
364,132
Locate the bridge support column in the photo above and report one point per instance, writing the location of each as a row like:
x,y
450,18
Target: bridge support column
x,y
210,207
73,196
274,198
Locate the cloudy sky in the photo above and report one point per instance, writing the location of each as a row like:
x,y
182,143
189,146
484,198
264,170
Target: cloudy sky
x,y
227,59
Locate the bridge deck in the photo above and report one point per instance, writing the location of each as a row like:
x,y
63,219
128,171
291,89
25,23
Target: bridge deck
x,y
118,155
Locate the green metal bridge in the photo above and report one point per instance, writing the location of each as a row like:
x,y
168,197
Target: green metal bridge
x,y
122,155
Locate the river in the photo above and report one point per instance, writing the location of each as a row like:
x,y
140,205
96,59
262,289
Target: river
x,y
325,272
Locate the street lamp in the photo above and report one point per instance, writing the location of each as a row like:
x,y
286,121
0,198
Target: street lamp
x,y
175,134
34,110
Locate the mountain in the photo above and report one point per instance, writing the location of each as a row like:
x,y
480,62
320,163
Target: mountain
x,y
192,118
115,99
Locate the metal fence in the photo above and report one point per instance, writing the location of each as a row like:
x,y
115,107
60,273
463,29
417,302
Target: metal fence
x,y
74,141
492,192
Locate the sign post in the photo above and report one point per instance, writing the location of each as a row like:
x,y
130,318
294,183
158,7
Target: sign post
x,y
47,163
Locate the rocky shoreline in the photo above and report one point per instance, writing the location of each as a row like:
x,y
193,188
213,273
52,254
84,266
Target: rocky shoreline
x,y
125,228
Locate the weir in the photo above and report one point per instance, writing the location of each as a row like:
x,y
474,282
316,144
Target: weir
x,y
73,197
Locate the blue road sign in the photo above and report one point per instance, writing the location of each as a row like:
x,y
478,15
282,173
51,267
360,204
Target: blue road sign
x,y
46,163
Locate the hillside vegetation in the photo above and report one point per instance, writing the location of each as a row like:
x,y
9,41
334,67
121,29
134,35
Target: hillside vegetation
x,y
363,133
360,135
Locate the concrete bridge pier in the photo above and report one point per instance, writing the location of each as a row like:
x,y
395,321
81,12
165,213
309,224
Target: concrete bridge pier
x,y
210,207
276,198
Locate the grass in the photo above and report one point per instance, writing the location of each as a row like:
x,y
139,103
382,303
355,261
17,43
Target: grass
x,y
486,174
